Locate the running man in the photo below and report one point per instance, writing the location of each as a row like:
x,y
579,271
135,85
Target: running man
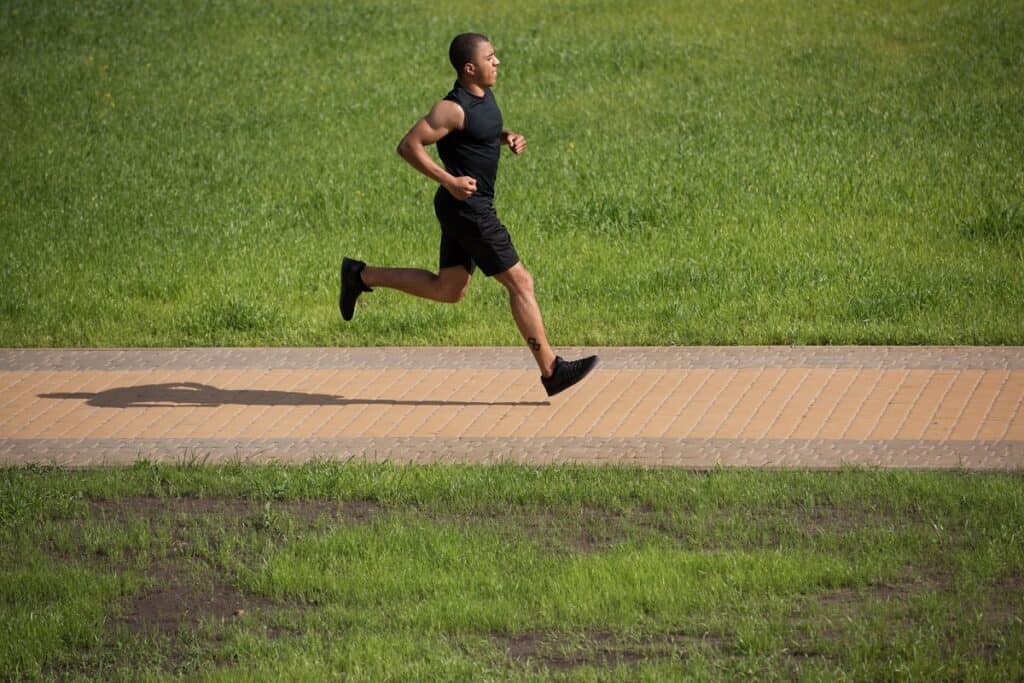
x,y
467,128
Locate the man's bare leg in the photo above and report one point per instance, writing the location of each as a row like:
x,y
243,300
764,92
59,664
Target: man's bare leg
x,y
519,283
448,286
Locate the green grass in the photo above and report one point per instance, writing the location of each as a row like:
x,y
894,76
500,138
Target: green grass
x,y
380,572
703,172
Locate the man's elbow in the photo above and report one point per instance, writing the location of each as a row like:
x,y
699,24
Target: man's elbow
x,y
404,148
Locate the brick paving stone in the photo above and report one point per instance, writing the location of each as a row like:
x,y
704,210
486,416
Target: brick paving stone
x,y
696,407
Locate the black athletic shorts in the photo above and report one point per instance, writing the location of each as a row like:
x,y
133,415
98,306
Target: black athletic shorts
x,y
472,236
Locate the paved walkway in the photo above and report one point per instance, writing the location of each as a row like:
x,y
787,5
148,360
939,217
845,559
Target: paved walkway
x,y
698,407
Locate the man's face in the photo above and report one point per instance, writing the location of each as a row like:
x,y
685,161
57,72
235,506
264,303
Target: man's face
x,y
485,64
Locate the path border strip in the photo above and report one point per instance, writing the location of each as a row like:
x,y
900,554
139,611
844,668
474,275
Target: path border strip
x,y
701,454
625,358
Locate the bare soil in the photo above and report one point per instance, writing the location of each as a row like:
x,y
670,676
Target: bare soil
x,y
603,649
181,598
308,510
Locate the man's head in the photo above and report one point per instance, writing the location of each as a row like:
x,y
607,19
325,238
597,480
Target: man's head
x,y
473,57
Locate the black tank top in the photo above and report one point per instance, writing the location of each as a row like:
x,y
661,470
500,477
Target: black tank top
x,y
474,150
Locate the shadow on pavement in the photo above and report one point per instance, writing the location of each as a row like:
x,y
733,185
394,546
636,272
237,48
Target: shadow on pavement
x,y
194,394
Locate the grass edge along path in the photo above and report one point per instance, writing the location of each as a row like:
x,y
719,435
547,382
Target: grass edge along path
x,y
384,572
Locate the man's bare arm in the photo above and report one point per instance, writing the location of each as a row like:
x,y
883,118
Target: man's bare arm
x,y
445,117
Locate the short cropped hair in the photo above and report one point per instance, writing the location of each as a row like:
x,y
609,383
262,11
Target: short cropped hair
x,y
463,48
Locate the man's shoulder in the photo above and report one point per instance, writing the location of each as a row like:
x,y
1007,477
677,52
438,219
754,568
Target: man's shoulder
x,y
447,113
447,105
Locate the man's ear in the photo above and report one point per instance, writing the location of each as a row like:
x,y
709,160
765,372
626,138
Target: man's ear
x,y
469,69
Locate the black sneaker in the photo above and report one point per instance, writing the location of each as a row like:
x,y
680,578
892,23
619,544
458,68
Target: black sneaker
x,y
351,286
567,373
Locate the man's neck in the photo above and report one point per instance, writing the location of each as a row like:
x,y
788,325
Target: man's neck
x,y
472,87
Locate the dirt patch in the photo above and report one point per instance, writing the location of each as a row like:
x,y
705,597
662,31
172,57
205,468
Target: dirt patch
x,y
1003,605
840,607
726,530
181,598
183,592
822,519
586,530
600,649
998,606
147,507
911,583
309,511
1002,612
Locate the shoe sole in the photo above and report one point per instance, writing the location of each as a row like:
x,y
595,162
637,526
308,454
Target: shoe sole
x,y
341,291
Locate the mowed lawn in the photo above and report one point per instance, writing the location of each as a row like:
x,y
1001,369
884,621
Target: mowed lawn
x,y
699,172
378,572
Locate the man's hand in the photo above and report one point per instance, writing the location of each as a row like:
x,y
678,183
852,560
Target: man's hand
x,y
515,141
461,187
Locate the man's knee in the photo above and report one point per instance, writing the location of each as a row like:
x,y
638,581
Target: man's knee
x,y
452,294
518,280
453,287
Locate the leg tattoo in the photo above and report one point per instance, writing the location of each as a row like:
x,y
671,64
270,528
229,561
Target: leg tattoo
x,y
533,344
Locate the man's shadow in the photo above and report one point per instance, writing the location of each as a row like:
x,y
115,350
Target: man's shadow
x,y
193,394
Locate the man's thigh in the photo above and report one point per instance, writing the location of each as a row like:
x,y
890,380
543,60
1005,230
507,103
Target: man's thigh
x,y
486,240
453,255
